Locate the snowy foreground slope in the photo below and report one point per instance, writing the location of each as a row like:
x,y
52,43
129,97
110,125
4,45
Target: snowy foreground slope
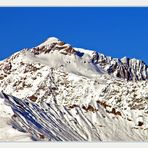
x,y
55,92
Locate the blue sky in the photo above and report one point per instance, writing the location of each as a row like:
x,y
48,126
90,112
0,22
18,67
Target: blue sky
x,y
117,32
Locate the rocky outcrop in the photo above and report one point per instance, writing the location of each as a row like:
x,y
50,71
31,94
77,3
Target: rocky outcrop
x,y
53,44
126,68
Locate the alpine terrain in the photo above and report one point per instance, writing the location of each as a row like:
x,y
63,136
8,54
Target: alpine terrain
x,y
56,92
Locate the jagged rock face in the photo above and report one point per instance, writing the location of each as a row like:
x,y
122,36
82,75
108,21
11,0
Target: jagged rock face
x,y
53,45
129,69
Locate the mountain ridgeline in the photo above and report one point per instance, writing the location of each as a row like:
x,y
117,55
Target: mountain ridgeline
x,y
56,92
126,68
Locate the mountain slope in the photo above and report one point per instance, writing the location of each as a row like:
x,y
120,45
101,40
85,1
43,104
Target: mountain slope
x,y
61,93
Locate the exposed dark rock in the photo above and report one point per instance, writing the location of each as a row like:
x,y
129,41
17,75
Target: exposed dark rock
x,y
33,98
125,68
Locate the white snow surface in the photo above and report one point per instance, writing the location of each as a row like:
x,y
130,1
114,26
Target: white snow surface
x,y
49,41
7,132
98,106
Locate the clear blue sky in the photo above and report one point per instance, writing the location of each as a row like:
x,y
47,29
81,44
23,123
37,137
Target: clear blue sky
x,y
116,32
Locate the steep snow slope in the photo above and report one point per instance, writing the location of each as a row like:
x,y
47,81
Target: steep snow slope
x,y
52,122
93,97
7,132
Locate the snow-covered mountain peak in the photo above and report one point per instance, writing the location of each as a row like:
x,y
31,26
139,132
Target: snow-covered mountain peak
x,y
53,44
59,92
49,41
56,53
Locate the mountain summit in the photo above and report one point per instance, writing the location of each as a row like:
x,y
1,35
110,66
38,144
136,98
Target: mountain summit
x,y
129,69
56,92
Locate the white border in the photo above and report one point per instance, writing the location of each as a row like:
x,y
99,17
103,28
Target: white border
x,y
72,144
78,3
